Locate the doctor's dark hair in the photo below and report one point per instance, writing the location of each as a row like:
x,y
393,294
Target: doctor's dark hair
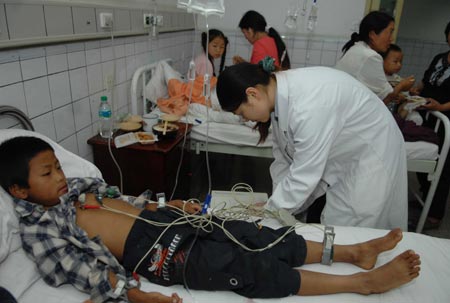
x,y
232,85
214,33
375,21
257,22
15,157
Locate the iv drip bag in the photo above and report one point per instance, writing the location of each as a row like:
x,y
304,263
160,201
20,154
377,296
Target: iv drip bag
x,y
203,7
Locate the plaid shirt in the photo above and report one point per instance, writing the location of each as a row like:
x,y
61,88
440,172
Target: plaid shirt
x,y
63,252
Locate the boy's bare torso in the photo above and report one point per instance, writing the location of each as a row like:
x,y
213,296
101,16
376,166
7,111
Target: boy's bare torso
x,y
112,228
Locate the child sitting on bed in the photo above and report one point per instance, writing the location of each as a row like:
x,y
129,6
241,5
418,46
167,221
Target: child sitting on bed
x,y
216,48
77,235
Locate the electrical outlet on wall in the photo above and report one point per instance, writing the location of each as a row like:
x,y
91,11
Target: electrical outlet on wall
x,y
159,20
109,82
106,20
147,20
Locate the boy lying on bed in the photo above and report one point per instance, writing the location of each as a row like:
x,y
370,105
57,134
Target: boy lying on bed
x,y
95,249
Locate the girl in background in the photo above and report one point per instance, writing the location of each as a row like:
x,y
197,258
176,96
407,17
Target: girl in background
x,y
253,26
216,48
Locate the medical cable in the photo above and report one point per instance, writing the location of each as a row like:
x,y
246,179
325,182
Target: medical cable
x,y
110,87
208,197
199,222
191,79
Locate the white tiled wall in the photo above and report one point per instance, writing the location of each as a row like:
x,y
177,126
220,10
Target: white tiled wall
x,y
303,50
59,86
417,55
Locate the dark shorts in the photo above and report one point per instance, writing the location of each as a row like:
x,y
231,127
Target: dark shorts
x,y
141,239
216,263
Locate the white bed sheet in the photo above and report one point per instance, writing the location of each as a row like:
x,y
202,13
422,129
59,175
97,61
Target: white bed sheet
x,y
226,128
223,133
245,136
430,286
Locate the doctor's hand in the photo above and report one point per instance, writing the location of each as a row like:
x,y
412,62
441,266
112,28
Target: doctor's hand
x,y
189,207
238,59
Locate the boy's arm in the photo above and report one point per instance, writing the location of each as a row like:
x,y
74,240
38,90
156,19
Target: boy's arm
x,y
59,261
135,295
188,207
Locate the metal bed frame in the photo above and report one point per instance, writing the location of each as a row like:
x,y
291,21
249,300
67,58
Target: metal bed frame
x,y
18,115
432,167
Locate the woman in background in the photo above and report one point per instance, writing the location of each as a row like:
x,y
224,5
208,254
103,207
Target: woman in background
x,y
362,57
216,48
331,134
253,26
435,86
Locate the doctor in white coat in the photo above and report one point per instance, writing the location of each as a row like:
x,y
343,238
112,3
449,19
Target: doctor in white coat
x,y
331,134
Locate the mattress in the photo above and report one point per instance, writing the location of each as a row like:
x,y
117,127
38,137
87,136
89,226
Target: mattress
x,y
235,134
430,286
243,135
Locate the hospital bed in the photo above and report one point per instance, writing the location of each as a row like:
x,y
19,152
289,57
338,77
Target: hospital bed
x,y
239,139
19,275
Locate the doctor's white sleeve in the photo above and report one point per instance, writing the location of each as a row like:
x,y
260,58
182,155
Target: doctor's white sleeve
x,y
314,132
280,166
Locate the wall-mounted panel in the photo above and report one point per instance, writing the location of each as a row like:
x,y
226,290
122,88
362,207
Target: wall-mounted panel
x,y
122,21
137,20
58,20
3,27
84,21
98,11
25,21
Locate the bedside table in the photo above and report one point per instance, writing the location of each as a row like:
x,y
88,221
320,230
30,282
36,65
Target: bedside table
x,y
152,166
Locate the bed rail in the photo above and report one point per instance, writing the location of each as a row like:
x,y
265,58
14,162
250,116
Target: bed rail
x,y
141,72
18,115
433,168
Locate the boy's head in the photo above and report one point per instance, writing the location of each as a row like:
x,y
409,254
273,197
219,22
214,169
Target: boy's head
x,y
30,170
393,58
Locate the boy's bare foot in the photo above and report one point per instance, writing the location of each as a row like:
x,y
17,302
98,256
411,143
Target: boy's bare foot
x,y
366,253
401,270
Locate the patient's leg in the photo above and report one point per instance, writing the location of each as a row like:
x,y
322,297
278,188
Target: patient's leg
x,y
362,254
401,270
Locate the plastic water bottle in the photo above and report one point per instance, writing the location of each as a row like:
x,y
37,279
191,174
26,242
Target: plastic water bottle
x,y
105,117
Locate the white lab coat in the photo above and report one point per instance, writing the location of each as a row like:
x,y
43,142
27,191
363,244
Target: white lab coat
x,y
332,133
366,65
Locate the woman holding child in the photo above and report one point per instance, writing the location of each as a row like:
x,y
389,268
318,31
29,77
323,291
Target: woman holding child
x,y
362,57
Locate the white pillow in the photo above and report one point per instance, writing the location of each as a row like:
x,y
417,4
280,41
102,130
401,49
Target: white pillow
x,y
11,255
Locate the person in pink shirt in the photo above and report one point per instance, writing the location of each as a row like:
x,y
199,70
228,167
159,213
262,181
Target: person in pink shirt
x,y
216,48
253,26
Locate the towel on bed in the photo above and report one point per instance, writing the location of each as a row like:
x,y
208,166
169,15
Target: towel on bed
x,y
179,95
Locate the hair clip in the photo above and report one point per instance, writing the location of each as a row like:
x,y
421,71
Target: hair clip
x,y
268,64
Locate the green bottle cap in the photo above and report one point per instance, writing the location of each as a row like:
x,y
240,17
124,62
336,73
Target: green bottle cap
x,y
103,98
